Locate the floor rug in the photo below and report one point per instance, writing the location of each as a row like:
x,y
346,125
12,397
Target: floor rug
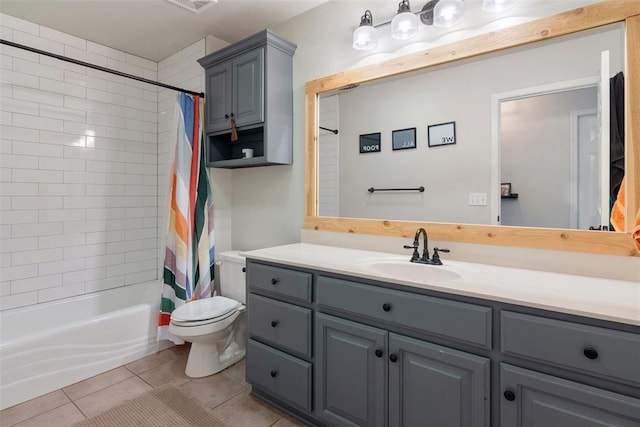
x,y
166,406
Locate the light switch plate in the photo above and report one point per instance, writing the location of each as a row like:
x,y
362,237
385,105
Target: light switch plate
x,y
477,199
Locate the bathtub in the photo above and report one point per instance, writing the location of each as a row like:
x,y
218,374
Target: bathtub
x,y
52,345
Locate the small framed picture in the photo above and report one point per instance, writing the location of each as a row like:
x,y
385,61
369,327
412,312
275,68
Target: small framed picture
x,y
442,134
370,143
403,139
505,189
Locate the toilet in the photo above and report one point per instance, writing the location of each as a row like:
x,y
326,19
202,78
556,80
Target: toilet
x,y
216,326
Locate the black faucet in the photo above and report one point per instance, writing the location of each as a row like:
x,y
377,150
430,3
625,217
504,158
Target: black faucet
x,y
424,259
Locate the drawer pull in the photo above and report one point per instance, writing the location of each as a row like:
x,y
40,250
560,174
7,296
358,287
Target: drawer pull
x,y
274,323
274,281
509,395
274,373
386,306
590,353
393,358
379,353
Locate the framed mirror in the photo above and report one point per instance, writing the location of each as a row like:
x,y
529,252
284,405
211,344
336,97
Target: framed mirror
x,y
610,26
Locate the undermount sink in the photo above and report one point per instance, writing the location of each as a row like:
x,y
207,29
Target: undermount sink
x,y
403,269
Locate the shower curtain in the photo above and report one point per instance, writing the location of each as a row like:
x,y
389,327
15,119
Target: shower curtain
x,y
190,251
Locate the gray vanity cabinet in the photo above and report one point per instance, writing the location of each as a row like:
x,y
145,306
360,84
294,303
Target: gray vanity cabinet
x,y
251,81
337,350
367,376
532,399
432,385
351,372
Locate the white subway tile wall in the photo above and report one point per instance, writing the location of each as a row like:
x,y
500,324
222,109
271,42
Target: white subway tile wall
x,y
83,171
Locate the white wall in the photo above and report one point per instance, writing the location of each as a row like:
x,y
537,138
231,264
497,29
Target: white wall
x,y
79,174
86,160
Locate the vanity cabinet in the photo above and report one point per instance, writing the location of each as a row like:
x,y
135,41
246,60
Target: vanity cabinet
x,y
366,376
279,347
529,395
531,398
339,350
250,81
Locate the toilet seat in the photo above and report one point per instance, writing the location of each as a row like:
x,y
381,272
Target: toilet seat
x,y
203,311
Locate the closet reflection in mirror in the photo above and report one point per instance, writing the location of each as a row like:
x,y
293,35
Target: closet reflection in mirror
x,y
559,180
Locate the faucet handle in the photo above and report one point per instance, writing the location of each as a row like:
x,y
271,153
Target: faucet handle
x,y
436,257
415,254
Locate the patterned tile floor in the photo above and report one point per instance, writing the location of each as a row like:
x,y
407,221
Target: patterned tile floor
x,y
226,394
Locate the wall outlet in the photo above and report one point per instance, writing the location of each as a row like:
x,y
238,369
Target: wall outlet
x,y
477,199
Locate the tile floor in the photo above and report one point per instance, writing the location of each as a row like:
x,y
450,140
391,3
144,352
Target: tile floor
x,y
226,394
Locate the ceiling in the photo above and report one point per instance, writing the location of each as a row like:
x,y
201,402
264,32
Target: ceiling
x,y
155,29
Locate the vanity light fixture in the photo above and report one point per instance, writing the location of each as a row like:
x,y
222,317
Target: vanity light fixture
x,y
365,37
405,24
448,13
497,6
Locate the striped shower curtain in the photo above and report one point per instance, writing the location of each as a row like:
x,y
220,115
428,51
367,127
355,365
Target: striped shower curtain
x,y
189,255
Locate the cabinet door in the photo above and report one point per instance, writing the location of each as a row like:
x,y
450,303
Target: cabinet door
x,y
218,101
532,399
351,388
431,385
248,93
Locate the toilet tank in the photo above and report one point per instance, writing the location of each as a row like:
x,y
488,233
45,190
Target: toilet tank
x,y
232,276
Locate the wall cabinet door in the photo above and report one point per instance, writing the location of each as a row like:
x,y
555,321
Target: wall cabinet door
x,y
248,84
532,399
351,374
218,101
431,385
236,87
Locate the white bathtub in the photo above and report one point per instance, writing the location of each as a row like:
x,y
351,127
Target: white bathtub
x,y
51,345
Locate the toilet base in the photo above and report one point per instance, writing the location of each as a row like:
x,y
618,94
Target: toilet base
x,y
204,359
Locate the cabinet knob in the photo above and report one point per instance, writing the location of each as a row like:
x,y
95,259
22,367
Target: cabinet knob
x,y
226,116
274,373
244,269
509,395
274,323
379,352
274,281
590,353
393,358
386,306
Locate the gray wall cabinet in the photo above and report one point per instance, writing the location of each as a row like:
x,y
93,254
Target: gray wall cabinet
x,y
335,350
251,81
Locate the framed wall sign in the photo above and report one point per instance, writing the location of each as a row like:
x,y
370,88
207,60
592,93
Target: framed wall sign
x,y
442,134
403,138
370,143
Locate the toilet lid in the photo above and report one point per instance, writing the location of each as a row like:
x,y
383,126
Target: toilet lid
x,y
204,309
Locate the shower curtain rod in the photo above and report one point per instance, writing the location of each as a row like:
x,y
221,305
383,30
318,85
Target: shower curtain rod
x,y
98,67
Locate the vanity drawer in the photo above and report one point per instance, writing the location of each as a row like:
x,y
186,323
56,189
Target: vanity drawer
x,y
283,375
283,325
276,281
467,323
589,349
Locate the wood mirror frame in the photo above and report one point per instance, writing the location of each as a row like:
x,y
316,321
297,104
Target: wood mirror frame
x,y
596,15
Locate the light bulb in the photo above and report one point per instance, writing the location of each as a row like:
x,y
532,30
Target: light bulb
x,y
448,13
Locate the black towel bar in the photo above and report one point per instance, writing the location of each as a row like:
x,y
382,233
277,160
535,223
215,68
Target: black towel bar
x,y
373,190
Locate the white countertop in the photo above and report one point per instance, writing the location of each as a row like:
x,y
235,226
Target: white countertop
x,y
614,300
